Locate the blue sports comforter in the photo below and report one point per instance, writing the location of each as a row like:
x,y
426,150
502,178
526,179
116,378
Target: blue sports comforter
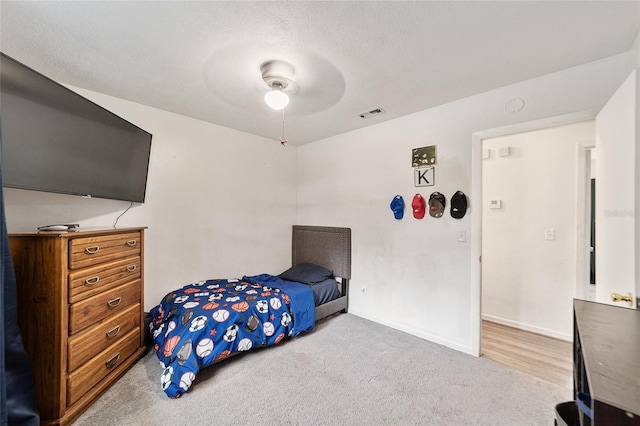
x,y
205,322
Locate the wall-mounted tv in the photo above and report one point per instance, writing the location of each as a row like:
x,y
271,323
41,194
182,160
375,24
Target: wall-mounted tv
x,y
55,140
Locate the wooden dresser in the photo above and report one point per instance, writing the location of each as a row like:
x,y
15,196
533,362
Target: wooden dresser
x,y
80,312
607,362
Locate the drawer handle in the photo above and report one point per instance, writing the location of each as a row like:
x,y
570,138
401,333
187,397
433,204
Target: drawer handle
x,y
113,332
113,360
131,268
92,280
92,249
132,243
115,302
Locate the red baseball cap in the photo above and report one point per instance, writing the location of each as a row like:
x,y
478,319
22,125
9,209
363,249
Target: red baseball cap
x,y
418,205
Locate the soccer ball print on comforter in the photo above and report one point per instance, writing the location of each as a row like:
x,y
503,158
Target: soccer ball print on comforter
x,y
205,322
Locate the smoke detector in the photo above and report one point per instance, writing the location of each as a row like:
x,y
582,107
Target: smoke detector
x,y
514,105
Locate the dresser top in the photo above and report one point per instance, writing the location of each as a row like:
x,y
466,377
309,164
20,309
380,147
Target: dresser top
x,y
78,232
610,340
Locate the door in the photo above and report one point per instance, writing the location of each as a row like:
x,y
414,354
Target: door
x,y
616,219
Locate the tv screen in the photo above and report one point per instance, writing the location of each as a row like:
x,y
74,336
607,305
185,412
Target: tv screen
x,y
55,140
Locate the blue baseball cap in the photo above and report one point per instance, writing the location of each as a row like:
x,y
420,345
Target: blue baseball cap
x,y
397,206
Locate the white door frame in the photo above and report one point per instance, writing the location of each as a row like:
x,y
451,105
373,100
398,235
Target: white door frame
x,y
583,220
476,205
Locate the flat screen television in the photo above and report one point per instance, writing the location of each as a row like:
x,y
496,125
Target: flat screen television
x,y
55,140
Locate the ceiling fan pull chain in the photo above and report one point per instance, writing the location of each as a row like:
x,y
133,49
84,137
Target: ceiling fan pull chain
x,y
283,140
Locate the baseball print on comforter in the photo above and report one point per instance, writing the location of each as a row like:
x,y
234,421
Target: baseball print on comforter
x,y
207,321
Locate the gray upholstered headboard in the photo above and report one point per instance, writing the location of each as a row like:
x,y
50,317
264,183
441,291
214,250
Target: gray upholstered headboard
x,y
325,246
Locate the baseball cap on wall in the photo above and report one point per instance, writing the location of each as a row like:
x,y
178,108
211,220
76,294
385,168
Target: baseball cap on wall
x,y
418,205
458,205
397,206
437,202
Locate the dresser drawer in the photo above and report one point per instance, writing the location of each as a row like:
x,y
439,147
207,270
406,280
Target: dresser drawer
x,y
87,282
85,345
103,305
87,376
92,250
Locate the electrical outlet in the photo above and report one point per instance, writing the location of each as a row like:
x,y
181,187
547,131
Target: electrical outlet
x,y
550,234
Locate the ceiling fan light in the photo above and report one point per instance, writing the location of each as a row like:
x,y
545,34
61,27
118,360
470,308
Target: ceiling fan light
x,y
276,98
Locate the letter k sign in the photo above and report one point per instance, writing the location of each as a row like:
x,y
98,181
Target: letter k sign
x,y
424,176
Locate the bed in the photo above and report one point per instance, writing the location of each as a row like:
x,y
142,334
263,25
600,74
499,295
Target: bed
x,y
208,321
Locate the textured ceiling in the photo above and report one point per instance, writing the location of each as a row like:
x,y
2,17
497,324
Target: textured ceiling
x,y
202,59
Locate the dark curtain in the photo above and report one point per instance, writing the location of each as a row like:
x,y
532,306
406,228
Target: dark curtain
x,y
17,398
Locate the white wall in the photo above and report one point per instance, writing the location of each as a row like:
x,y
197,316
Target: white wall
x,y
617,192
528,281
418,278
637,169
219,202
636,48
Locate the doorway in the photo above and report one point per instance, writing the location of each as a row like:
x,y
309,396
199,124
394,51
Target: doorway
x,y
528,216
590,293
479,157
530,227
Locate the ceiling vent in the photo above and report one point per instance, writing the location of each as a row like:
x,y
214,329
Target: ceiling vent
x,y
371,113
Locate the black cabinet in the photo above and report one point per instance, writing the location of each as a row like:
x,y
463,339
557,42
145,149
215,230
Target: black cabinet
x,y
606,363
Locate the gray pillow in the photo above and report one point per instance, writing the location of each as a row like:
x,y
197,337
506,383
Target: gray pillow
x,y
306,273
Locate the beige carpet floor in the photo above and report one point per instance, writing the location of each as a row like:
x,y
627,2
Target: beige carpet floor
x,y
350,371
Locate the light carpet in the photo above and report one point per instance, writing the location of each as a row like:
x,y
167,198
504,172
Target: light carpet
x,y
350,371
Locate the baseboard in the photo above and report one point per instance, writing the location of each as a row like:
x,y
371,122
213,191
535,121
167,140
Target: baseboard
x,y
419,333
528,327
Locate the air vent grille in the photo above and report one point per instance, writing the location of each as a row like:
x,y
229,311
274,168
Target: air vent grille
x,y
371,113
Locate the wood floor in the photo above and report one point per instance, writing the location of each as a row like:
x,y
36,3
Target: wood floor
x,y
545,357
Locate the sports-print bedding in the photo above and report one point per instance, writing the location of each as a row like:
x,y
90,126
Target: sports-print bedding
x,y
207,321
